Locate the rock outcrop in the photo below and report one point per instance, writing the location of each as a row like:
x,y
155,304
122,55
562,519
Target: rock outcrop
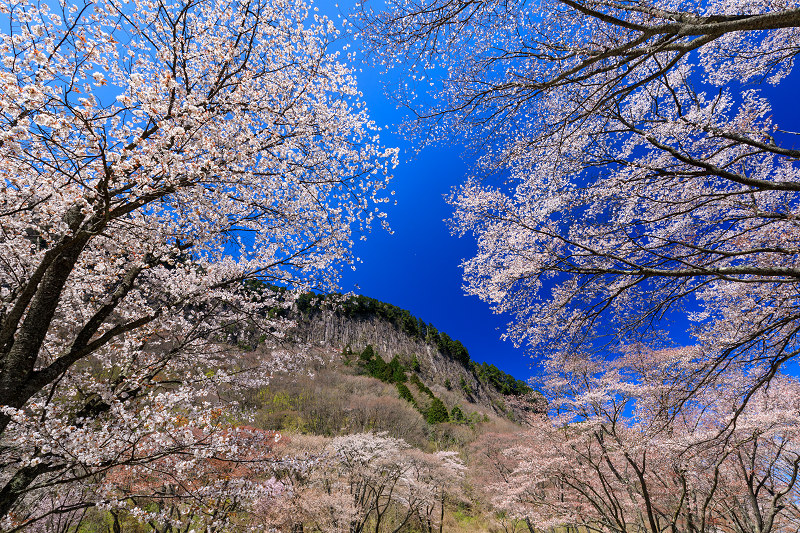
x,y
328,329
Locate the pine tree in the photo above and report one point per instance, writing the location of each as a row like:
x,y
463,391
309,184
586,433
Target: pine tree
x,y
405,394
436,412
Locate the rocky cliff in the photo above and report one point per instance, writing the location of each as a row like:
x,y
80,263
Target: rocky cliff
x,y
441,372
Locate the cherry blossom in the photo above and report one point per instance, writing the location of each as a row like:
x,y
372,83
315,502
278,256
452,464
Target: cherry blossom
x,y
369,482
617,456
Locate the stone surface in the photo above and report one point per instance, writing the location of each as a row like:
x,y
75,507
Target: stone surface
x,y
327,329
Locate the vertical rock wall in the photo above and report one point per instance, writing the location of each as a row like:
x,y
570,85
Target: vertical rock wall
x,y
327,329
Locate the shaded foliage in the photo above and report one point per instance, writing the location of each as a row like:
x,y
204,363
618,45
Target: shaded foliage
x,y
405,394
499,380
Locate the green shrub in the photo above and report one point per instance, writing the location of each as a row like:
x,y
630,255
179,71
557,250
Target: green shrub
x,y
436,412
405,394
465,387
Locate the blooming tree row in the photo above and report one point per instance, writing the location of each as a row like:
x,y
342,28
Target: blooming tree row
x,y
222,487
368,482
617,456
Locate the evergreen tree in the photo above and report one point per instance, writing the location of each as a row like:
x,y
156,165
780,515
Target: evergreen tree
x,y
420,385
405,394
376,367
395,371
367,354
436,412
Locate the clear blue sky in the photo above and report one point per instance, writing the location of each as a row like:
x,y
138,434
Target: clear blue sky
x,y
417,268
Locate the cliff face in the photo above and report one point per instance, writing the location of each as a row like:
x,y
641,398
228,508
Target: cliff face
x,y
327,329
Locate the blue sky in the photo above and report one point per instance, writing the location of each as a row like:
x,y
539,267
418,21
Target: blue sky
x,y
417,267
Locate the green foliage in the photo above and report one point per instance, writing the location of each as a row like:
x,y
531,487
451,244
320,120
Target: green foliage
x,y
457,415
422,328
420,385
499,380
447,384
283,409
409,323
475,418
367,354
431,335
436,412
405,394
465,387
395,371
307,302
375,366
463,517
415,363
453,349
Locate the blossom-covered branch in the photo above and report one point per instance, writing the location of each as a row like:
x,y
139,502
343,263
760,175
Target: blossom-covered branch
x,y
631,167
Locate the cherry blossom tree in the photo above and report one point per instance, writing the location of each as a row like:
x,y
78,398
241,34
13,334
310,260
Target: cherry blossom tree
x,y
390,482
370,482
155,157
616,455
633,167
228,480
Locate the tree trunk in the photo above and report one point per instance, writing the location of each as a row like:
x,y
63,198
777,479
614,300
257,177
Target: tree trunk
x,y
17,485
441,515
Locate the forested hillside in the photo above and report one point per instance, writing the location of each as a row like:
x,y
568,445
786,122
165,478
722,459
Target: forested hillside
x,y
362,337
359,320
